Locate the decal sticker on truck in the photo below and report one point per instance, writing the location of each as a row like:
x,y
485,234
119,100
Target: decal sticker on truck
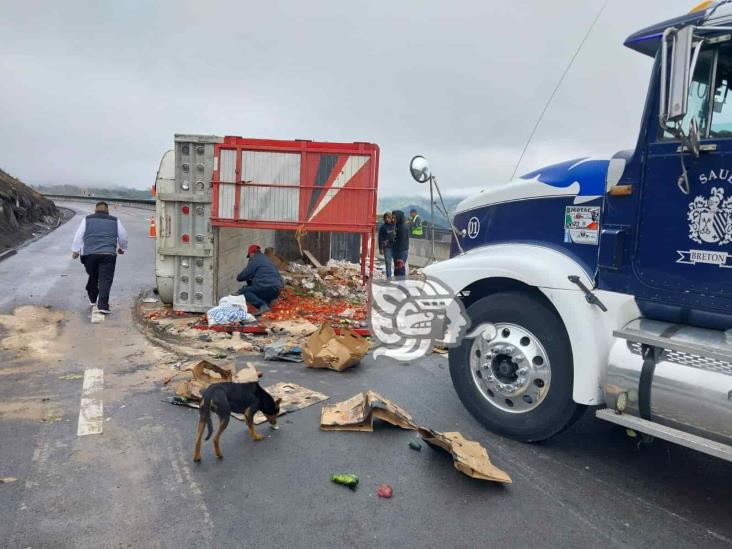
x,y
473,229
710,219
692,257
582,224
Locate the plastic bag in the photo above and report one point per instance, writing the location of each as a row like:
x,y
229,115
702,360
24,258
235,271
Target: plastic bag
x,y
232,309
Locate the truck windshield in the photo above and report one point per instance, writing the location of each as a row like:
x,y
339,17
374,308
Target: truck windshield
x,y
698,106
721,115
713,111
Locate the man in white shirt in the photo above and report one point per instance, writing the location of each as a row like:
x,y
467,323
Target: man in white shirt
x,y
98,240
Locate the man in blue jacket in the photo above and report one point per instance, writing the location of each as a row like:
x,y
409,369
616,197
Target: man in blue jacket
x,y
98,240
264,282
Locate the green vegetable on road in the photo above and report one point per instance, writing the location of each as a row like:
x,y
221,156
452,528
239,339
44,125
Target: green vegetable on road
x,y
346,479
414,445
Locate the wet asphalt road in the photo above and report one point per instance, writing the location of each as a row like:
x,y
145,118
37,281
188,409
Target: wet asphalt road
x,y
136,485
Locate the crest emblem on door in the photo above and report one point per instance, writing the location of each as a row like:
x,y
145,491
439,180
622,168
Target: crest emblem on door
x,y
710,219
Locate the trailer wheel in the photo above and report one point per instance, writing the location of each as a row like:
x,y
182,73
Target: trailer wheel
x,y
515,376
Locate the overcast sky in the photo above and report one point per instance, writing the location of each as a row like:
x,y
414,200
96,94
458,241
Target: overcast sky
x,y
91,93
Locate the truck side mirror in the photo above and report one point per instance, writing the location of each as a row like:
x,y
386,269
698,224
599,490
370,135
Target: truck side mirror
x,y
420,169
675,81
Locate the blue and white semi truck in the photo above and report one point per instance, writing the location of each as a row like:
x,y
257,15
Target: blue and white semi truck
x,y
608,283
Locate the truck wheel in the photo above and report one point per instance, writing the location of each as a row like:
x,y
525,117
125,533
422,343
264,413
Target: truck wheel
x,y
515,376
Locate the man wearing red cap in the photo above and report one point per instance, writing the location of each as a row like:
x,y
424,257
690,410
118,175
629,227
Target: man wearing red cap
x,y
264,282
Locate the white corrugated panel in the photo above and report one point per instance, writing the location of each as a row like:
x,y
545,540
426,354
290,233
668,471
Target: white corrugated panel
x,y
271,168
227,174
270,203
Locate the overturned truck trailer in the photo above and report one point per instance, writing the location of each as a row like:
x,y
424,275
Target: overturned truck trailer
x,y
216,195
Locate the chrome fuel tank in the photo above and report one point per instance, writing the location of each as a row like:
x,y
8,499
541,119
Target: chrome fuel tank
x,y
688,386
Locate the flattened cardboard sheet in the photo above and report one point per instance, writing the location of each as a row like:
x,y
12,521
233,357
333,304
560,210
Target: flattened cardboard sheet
x,y
469,457
294,397
358,414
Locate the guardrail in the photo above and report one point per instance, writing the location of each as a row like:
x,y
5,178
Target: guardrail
x,y
147,203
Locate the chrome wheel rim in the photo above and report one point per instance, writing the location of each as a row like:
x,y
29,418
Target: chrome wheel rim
x,y
510,367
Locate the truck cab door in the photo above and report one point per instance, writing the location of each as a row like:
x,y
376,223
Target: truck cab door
x,y
684,245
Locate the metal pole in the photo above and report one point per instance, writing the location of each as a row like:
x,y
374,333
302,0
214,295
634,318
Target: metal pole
x,y
432,221
444,207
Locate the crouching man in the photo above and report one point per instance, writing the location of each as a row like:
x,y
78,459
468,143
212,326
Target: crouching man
x,y
264,282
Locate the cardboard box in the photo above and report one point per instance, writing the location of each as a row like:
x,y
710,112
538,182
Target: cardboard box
x,y
359,412
325,349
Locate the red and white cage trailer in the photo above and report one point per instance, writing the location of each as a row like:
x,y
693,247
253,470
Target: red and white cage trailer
x,y
217,195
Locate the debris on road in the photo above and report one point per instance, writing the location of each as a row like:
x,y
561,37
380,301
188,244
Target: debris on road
x,y
7,480
232,309
293,327
384,491
31,331
284,350
312,259
359,412
333,294
414,445
307,302
469,457
326,349
346,479
294,397
204,373
248,374
69,377
96,316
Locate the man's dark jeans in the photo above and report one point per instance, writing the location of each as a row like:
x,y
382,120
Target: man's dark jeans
x,y
260,296
400,264
100,268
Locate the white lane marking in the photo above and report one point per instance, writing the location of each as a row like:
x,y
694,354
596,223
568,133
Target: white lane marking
x,y
91,411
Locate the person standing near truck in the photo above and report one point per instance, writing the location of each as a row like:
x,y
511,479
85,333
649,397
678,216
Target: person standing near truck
x,y
386,243
415,224
264,282
98,240
401,244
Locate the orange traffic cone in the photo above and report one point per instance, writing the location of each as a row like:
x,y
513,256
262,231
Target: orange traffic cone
x,y
152,233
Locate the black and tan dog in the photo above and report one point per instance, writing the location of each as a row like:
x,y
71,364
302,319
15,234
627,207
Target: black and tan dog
x,y
228,397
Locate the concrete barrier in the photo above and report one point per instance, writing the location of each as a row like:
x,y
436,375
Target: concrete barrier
x,y
420,251
130,202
